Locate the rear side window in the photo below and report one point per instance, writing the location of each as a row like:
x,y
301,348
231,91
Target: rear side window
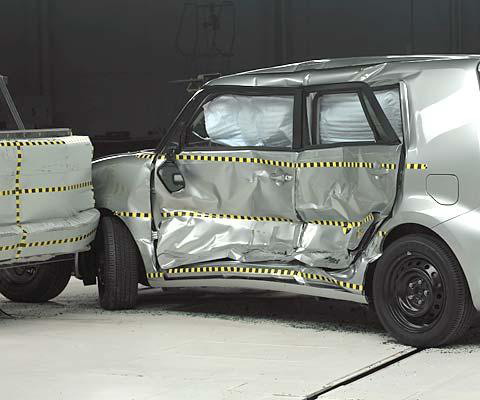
x,y
243,121
339,118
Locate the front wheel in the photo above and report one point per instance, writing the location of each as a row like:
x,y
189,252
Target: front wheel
x,y
420,292
117,260
35,284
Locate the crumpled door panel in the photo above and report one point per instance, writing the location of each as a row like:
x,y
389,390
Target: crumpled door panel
x,y
354,193
234,207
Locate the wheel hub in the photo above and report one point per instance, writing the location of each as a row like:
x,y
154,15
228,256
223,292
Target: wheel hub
x,y
20,275
418,293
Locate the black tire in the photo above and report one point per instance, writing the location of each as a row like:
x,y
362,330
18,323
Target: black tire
x,y
420,292
35,284
117,259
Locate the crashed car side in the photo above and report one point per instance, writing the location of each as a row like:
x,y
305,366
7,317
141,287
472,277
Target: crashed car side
x,y
314,218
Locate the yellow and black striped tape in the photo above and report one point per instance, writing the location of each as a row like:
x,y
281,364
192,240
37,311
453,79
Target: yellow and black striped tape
x,y
285,164
15,143
133,214
149,156
388,165
23,242
17,185
52,189
346,225
9,247
253,270
416,166
59,241
222,216
382,233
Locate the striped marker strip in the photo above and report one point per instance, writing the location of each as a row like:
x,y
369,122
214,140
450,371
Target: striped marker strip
x,y
285,164
15,143
23,242
283,272
60,241
416,166
52,189
133,214
222,216
150,156
346,225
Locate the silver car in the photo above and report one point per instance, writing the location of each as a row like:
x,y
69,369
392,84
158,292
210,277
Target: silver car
x,y
352,179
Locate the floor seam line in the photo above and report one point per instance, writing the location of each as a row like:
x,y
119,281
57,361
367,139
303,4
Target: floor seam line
x,y
361,374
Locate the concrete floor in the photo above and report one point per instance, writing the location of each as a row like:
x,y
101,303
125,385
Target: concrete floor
x,y
203,345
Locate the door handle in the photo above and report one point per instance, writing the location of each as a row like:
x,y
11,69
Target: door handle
x,y
281,178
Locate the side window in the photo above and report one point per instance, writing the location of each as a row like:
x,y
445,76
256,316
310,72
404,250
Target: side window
x,y
341,117
241,120
389,100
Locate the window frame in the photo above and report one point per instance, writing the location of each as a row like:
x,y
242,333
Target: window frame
x,y
190,113
300,141
385,136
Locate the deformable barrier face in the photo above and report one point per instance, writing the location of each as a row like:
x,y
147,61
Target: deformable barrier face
x,y
46,197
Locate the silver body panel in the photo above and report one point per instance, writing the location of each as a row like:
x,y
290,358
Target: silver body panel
x,y
243,189
440,104
122,184
342,194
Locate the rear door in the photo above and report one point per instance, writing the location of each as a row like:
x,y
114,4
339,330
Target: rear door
x,y
235,151
347,174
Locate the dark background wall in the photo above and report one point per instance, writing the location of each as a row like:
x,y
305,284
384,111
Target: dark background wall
x,y
105,66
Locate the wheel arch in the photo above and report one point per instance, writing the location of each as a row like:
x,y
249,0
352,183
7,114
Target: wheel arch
x,y
394,234
142,274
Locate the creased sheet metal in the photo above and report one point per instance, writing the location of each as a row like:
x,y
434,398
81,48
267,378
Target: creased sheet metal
x,y
328,206
46,196
122,186
342,194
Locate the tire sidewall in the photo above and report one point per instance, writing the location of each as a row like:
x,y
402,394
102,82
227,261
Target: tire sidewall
x,y
49,281
445,262
117,258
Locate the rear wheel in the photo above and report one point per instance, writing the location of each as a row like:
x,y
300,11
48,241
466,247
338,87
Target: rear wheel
x,y
420,293
117,260
35,284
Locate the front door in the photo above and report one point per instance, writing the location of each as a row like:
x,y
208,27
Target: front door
x,y
225,185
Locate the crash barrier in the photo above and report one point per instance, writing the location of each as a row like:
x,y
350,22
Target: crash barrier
x,y
46,196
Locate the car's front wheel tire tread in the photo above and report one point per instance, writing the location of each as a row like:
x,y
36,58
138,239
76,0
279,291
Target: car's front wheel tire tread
x,y
119,289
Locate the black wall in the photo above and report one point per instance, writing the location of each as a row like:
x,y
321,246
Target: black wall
x,y
105,66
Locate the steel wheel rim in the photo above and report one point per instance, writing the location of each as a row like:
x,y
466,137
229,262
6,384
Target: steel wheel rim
x,y
20,276
416,293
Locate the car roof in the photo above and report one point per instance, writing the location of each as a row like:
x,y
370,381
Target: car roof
x,y
318,66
